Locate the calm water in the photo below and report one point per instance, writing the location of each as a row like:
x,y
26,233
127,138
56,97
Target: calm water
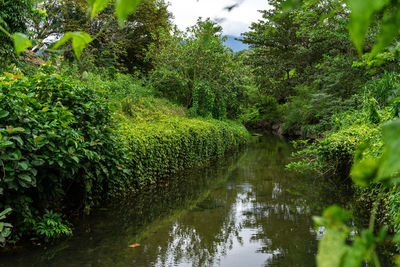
x,y
245,210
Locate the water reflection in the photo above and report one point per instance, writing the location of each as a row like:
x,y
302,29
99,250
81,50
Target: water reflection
x,y
246,210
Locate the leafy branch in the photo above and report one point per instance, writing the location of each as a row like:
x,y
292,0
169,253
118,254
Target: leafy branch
x,y
79,39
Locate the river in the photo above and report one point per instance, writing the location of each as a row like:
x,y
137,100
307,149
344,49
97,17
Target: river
x,y
243,210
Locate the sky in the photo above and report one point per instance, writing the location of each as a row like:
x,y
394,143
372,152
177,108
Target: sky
x,y
235,22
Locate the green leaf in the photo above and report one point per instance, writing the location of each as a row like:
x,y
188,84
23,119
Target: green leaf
x,y
75,158
18,139
97,6
356,253
38,139
25,180
361,16
331,249
3,114
364,171
17,130
17,154
389,30
24,165
5,212
390,161
38,162
336,215
123,8
21,42
6,143
79,41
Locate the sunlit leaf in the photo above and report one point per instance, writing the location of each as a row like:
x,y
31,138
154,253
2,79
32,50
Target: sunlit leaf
x,y
96,6
364,171
123,8
361,16
331,249
356,253
79,41
390,161
21,42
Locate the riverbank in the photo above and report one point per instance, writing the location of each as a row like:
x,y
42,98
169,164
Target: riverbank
x,y
242,210
69,145
355,137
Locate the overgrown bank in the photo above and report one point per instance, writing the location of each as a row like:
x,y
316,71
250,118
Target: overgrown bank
x,y
66,146
358,146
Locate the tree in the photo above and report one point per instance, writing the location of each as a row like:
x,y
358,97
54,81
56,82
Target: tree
x,y
196,69
113,46
142,30
13,18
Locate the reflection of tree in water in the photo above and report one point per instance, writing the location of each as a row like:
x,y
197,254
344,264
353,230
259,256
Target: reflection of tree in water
x,y
200,218
273,201
203,235
282,210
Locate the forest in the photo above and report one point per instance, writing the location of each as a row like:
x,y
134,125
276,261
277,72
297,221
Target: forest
x,y
102,99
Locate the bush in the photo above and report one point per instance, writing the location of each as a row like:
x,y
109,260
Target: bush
x,y
173,143
58,147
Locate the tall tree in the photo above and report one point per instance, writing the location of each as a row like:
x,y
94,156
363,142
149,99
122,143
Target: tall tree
x,y
14,15
112,45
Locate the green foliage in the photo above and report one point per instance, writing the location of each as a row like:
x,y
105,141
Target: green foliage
x,y
119,86
361,18
363,14
196,70
21,42
123,8
79,41
58,146
372,110
364,172
5,228
304,59
335,152
333,249
50,226
14,16
161,144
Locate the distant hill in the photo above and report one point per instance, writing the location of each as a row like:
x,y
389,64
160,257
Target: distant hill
x,y
235,44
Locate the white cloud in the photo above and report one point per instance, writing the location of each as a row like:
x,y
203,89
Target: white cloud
x,y
235,22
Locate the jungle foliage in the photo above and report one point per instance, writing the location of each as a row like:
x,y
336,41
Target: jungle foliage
x,y
126,98
197,70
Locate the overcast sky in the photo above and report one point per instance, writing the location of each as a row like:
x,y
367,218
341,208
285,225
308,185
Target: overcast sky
x,y
235,22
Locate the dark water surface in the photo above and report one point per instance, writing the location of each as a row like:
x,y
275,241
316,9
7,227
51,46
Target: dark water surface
x,y
244,210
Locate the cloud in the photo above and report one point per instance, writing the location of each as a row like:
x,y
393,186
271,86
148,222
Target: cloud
x,y
234,28
234,22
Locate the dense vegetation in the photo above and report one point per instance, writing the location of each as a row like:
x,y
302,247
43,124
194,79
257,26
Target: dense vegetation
x,y
75,133
120,107
313,83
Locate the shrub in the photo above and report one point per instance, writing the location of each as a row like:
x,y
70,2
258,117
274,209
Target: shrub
x,y
173,143
58,147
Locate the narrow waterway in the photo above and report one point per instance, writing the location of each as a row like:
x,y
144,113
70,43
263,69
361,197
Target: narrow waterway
x,y
244,210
